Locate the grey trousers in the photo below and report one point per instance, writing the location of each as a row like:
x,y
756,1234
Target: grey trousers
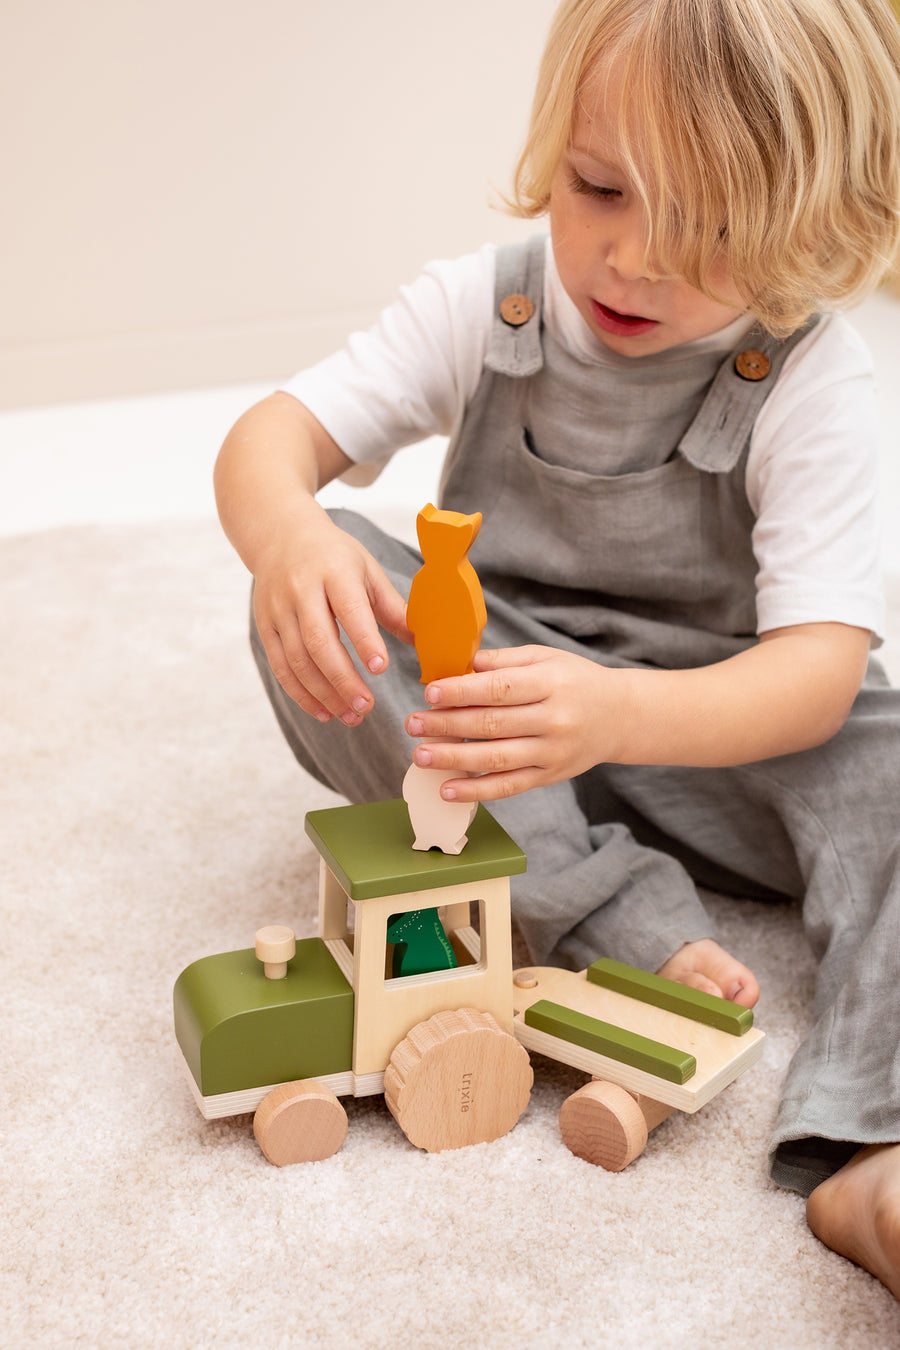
x,y
615,856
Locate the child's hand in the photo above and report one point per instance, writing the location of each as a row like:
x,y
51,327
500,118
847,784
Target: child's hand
x,y
309,582
530,716
536,715
704,965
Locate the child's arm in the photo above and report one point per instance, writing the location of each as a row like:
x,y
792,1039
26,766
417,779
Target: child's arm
x,y
310,575
535,715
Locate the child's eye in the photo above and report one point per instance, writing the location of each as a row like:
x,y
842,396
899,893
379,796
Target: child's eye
x,y
581,185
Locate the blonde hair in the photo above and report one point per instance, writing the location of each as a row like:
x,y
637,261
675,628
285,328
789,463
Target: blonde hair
x,y
764,134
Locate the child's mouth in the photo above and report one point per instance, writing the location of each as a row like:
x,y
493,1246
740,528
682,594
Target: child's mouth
x,y
622,325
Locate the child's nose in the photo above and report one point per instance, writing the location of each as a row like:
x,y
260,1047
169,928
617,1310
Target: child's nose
x,y
627,253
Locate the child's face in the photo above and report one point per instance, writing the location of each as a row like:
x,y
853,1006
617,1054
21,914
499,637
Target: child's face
x,y
599,229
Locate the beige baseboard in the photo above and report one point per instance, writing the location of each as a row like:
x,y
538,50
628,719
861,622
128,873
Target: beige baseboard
x,y
134,364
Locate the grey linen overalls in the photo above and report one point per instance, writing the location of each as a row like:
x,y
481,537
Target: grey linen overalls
x,y
616,526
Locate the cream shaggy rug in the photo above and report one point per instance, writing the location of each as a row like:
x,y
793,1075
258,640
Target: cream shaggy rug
x,y
152,814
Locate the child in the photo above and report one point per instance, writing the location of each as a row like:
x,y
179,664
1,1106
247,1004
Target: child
x,y
674,453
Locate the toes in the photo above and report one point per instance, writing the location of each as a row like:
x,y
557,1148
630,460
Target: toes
x,y
696,981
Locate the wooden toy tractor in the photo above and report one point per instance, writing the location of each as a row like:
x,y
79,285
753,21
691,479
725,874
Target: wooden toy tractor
x,y
402,993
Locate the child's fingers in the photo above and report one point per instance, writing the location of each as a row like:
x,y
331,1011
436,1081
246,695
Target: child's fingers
x,y
497,768
285,676
303,617
389,609
505,686
492,787
479,723
352,609
361,611
319,662
493,658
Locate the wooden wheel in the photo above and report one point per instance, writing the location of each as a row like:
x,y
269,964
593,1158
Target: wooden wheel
x,y
457,1079
603,1124
300,1122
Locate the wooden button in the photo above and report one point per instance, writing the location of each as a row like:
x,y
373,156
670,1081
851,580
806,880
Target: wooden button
x,y
516,310
751,365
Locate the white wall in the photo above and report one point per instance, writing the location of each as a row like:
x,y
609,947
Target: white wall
x,y
201,191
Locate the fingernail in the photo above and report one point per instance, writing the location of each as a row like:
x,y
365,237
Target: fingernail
x,y
323,716
360,704
448,794
432,694
415,726
351,719
375,664
423,758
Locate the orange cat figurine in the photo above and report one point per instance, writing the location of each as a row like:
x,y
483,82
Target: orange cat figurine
x,y
446,612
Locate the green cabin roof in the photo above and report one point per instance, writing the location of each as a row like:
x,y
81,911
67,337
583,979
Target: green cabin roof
x,y
369,849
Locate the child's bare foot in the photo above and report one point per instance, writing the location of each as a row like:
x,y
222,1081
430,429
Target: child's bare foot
x,y
706,966
856,1212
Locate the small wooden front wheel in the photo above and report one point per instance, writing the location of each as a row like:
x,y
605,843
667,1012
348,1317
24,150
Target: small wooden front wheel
x,y
457,1079
603,1124
300,1122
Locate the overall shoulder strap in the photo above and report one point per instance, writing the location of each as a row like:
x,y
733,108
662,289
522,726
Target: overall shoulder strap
x,y
515,342
718,434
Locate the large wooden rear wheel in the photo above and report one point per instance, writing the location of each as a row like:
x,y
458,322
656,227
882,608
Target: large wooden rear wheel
x,y
603,1124
457,1079
300,1122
